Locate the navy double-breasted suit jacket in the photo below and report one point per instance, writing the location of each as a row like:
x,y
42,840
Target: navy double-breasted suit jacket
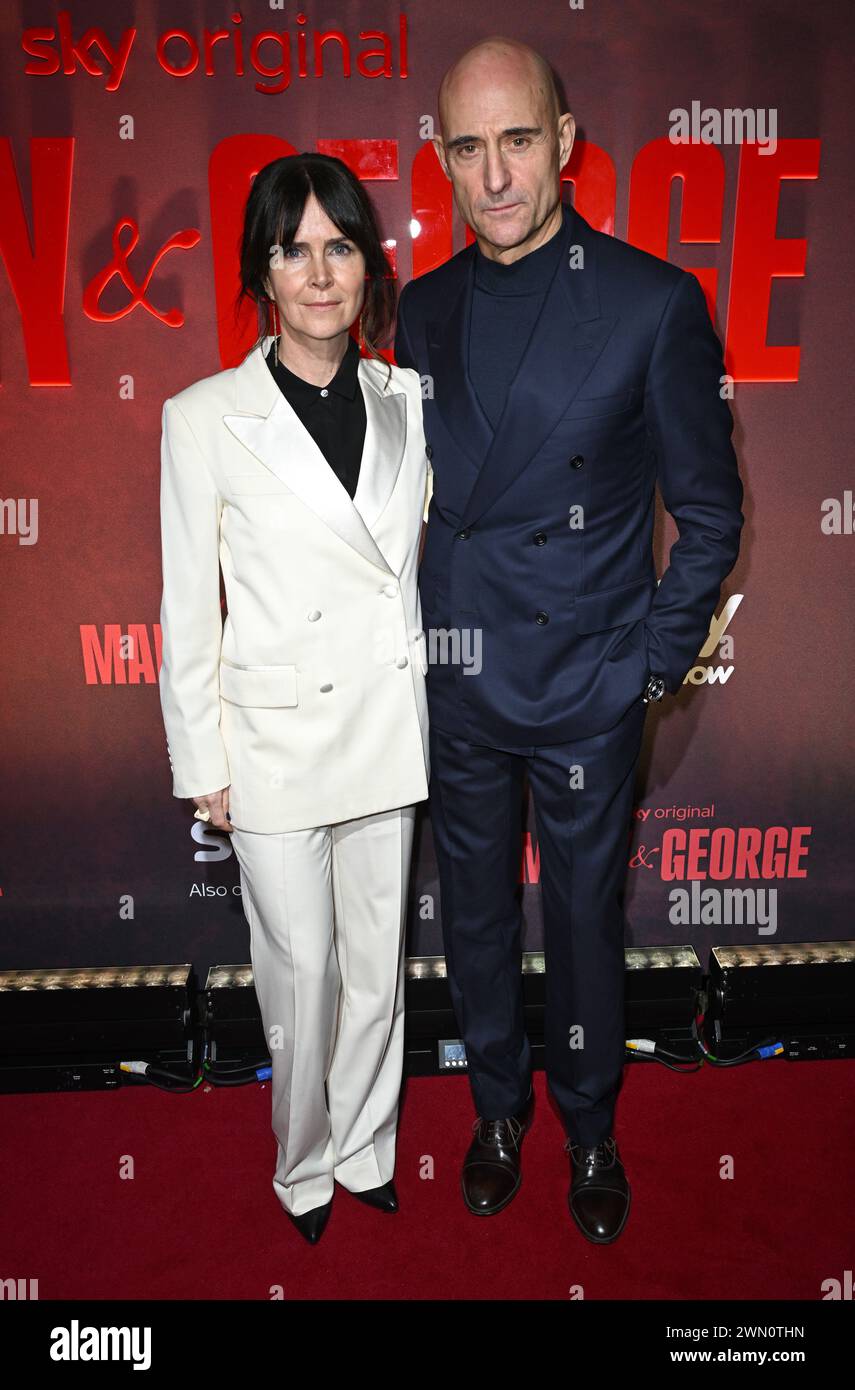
x,y
540,536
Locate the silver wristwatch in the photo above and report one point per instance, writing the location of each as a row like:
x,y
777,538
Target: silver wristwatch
x,y
655,688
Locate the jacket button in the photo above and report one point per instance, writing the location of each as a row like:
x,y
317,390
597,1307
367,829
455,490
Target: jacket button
x,y
540,538
541,618
464,534
401,663
314,615
577,460
325,688
429,451
390,590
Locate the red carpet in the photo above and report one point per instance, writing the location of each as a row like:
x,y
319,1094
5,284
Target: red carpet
x,y
200,1219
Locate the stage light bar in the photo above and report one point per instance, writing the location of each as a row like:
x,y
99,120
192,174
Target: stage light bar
x,y
69,1028
809,1005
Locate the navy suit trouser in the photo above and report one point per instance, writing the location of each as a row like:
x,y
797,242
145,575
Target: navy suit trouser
x,y
583,836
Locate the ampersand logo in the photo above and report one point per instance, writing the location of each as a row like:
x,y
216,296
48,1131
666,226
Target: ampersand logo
x,y
173,318
640,859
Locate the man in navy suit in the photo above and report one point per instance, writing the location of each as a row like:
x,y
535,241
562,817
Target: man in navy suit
x,y
570,373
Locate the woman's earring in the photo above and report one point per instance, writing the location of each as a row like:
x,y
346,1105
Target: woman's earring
x,y
276,325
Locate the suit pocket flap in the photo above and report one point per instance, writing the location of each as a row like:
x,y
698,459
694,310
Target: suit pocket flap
x,y
613,607
585,407
265,686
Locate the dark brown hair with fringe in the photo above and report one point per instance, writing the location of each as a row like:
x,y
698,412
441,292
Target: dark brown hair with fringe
x,y
274,209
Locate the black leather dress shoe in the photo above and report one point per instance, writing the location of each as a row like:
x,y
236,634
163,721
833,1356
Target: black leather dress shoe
x,y
384,1198
312,1223
599,1194
491,1174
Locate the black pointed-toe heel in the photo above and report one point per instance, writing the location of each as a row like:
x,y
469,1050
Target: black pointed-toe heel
x,y
383,1198
312,1224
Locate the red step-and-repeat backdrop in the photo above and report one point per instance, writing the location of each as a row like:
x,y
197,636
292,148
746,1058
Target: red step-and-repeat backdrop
x,y
717,136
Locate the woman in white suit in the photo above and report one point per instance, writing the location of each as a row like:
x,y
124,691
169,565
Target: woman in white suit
x,y
299,725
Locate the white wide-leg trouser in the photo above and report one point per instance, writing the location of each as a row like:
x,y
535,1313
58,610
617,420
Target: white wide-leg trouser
x,y
326,913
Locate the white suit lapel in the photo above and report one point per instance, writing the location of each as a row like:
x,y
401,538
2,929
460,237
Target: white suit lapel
x,y
268,426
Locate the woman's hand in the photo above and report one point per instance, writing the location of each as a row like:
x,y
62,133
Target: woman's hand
x,y
218,805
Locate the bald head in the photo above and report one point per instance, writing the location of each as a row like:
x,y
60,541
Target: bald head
x,y
497,59
503,142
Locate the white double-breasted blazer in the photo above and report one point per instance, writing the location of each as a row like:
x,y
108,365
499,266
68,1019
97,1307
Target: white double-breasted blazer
x,y
308,701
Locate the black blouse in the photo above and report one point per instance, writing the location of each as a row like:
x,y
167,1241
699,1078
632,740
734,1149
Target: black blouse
x,y
334,415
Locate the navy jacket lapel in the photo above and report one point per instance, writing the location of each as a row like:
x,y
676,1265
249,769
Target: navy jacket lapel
x,y
569,336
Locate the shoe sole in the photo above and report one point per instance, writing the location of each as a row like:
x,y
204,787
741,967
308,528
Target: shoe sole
x,y
603,1240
